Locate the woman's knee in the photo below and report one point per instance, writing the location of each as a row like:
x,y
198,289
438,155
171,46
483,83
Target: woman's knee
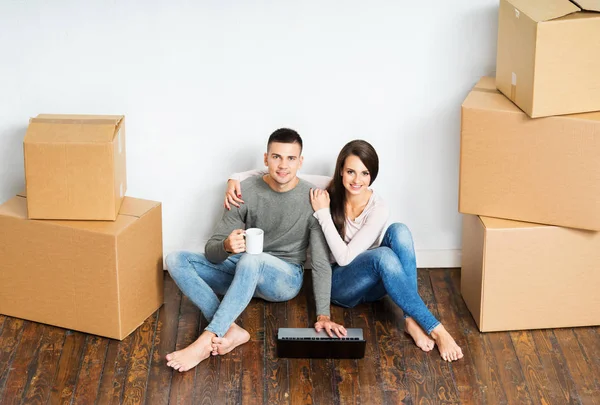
x,y
401,234
387,260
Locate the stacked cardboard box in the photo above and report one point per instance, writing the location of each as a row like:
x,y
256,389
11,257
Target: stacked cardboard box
x,y
75,252
530,172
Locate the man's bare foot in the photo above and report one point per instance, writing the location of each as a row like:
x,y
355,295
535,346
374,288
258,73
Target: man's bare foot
x,y
449,350
191,356
234,337
412,328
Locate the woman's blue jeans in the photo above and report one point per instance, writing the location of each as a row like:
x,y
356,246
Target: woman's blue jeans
x,y
239,278
390,269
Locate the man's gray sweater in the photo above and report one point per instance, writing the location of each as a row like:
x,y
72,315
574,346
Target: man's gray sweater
x,y
289,227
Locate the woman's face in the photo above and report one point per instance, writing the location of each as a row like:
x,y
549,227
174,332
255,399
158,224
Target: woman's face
x,y
356,178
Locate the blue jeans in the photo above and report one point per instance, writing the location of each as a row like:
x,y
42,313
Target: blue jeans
x,y
239,278
390,269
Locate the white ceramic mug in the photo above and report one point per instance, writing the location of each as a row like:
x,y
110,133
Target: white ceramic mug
x,y
254,240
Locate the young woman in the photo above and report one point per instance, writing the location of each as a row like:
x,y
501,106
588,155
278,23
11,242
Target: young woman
x,y
366,268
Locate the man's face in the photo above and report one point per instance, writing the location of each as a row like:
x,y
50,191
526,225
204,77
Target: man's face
x,y
283,161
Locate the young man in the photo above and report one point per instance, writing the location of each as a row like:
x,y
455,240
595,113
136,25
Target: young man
x,y
279,204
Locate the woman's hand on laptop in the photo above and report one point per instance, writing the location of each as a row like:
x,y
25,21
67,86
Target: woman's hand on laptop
x,y
330,327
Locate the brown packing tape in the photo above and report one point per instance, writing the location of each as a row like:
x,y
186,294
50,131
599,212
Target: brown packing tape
x,y
99,121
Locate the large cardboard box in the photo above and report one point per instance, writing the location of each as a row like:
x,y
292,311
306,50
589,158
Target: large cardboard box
x,y
548,55
517,275
75,166
98,277
544,170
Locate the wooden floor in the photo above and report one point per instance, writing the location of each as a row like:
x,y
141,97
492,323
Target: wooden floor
x,y
44,364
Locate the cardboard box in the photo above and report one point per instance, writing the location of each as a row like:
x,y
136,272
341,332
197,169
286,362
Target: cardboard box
x,y
98,277
548,55
75,166
544,170
517,275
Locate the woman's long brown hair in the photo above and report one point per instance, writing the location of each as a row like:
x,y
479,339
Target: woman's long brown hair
x,y
337,193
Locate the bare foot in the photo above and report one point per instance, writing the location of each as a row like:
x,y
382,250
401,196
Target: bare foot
x,y
234,337
412,328
191,356
449,350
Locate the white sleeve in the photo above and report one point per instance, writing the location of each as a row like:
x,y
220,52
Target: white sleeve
x,y
244,175
363,240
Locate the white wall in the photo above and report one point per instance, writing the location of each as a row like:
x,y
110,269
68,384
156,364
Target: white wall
x,y
203,84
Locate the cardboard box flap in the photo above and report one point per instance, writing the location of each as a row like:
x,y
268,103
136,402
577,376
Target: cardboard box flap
x,y
498,223
589,5
487,83
484,98
544,10
49,128
135,207
16,207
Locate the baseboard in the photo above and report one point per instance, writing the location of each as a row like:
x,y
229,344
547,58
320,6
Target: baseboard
x,y
434,258
438,258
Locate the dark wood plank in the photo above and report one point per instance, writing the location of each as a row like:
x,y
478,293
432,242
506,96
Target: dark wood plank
x,y
277,381
26,352
541,389
427,376
589,340
45,365
510,372
369,368
92,363
390,351
136,380
159,381
9,341
112,381
230,381
477,351
182,383
253,319
301,384
555,365
465,376
589,392
68,368
253,373
324,382
345,371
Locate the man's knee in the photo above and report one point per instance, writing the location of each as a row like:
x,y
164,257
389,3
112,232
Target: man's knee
x,y
176,263
254,262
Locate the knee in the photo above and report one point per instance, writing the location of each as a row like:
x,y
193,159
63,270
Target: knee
x,y
174,262
387,259
252,262
400,233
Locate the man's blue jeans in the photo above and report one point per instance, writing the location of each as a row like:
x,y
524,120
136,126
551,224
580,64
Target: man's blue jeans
x,y
239,278
390,269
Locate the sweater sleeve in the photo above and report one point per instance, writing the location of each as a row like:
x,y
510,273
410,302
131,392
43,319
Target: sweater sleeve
x,y
235,219
321,269
363,240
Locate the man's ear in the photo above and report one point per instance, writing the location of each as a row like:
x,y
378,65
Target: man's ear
x,y
301,159
266,163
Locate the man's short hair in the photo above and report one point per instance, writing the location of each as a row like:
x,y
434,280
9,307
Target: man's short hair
x,y
285,135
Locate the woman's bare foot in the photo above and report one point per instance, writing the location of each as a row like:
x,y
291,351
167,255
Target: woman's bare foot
x,y
234,337
412,328
191,356
449,350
